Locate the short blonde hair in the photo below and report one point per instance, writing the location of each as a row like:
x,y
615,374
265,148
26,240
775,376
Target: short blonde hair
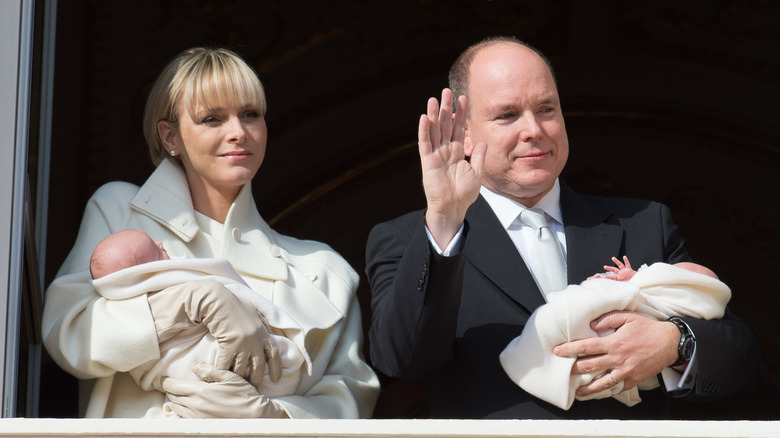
x,y
210,77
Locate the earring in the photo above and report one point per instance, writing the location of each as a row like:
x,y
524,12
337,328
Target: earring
x,y
173,153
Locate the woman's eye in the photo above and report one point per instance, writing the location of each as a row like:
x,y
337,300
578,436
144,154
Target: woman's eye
x,y
251,114
209,120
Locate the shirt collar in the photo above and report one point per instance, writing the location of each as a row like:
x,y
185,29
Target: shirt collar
x,y
507,209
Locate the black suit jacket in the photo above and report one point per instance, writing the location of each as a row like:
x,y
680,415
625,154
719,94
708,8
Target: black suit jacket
x,y
447,319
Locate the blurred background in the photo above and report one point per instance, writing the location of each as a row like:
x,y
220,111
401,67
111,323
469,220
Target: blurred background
x,y
667,100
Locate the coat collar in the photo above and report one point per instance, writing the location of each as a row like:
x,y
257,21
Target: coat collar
x,y
165,198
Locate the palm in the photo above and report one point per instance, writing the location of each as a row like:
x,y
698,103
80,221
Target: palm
x,y
451,183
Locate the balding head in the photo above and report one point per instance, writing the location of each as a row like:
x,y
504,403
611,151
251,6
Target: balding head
x,y
460,72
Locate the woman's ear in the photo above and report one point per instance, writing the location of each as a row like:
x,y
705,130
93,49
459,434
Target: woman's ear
x,y
167,135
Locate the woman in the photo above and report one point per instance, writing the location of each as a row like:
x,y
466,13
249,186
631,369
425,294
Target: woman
x,y
204,122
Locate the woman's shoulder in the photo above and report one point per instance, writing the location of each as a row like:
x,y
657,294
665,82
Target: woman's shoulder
x,y
113,198
314,254
115,191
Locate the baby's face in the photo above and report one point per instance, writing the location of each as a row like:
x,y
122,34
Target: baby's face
x,y
162,254
148,250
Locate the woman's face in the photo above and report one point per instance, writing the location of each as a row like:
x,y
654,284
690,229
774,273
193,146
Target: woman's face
x,y
221,149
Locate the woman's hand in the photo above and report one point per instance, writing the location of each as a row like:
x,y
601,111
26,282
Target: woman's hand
x,y
221,394
451,183
245,345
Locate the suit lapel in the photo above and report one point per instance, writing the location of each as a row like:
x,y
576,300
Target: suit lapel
x,y
592,238
492,252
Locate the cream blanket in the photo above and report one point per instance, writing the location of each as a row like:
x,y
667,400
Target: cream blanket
x,y
659,291
179,353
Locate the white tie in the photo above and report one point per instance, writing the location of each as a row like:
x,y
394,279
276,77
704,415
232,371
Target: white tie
x,y
546,262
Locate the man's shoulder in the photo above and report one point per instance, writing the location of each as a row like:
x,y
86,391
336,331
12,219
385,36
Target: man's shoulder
x,y
404,223
620,202
618,205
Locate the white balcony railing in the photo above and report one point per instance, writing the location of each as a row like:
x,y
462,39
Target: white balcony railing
x,y
21,427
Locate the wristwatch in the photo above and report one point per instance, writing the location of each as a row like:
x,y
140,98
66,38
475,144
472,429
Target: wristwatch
x,y
687,341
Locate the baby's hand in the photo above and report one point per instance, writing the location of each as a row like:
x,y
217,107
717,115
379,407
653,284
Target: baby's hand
x,y
622,272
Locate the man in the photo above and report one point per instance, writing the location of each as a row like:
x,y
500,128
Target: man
x,y
450,284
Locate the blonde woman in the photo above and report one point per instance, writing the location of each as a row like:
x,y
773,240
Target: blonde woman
x,y
204,123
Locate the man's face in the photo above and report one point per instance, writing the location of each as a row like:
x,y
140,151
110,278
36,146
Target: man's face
x,y
514,108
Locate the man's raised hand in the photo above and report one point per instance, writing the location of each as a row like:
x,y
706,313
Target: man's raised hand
x,y
451,182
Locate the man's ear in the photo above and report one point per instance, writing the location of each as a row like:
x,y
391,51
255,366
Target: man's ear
x,y
468,148
167,135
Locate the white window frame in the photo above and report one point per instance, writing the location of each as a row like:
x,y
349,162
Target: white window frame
x,y
16,23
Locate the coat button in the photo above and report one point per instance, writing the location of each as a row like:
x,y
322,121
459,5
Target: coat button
x,y
236,233
276,251
310,275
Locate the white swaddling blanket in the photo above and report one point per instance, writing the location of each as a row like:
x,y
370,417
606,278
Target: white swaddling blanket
x,y
659,291
179,353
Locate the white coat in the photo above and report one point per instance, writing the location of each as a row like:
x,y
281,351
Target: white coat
x,y
95,338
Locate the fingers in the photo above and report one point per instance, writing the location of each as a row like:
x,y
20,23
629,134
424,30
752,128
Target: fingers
x,y
210,373
611,320
433,117
581,348
256,370
436,125
606,381
241,364
424,136
445,118
478,157
274,360
179,409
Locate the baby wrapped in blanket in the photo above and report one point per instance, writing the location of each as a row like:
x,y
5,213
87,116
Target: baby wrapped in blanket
x,y
129,263
660,291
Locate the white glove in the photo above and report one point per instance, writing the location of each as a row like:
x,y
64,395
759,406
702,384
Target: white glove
x,y
245,345
221,394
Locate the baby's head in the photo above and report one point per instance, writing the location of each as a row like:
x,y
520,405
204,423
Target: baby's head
x,y
694,267
124,249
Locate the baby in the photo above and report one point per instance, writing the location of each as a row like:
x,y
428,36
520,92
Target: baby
x,y
659,291
129,263
622,271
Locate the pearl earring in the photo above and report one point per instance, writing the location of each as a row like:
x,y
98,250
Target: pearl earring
x,y
173,153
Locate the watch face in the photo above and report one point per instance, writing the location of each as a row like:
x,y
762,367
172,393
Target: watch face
x,y
687,348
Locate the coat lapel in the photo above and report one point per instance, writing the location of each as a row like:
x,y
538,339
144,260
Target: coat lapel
x,y
492,252
592,238
249,243
165,197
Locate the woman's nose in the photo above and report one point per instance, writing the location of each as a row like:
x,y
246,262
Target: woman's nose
x,y
236,132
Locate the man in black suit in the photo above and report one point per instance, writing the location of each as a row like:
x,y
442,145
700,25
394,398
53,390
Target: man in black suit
x,y
450,284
